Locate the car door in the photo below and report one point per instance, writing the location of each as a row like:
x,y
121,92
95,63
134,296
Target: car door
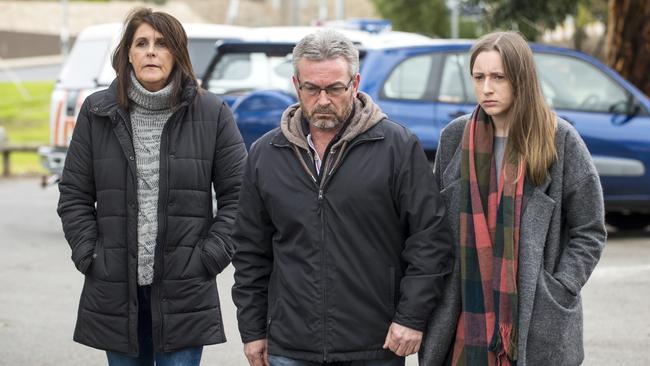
x,y
401,81
454,95
610,116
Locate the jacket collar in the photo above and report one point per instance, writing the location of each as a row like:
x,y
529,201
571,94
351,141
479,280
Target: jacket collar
x,y
108,105
376,132
365,115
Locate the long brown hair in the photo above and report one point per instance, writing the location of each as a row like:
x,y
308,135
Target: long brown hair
x,y
532,124
176,40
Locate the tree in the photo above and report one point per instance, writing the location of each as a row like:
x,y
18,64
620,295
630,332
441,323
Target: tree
x,y
429,17
589,11
530,18
628,41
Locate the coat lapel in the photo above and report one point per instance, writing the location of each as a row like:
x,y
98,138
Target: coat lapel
x,y
451,191
534,227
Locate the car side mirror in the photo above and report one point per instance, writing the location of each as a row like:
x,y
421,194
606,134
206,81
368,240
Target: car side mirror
x,y
624,111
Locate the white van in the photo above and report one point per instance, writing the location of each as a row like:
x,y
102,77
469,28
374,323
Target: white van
x,y
88,69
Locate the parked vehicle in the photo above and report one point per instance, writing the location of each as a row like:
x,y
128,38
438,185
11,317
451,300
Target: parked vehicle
x,y
424,84
88,69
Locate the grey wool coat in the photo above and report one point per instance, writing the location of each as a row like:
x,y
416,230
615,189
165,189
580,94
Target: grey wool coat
x,y
562,236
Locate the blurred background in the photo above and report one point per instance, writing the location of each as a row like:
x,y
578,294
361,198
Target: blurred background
x,y
39,287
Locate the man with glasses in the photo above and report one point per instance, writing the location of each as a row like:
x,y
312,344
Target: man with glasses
x,y
342,248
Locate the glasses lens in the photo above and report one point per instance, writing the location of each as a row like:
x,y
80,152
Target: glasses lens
x,y
336,91
311,90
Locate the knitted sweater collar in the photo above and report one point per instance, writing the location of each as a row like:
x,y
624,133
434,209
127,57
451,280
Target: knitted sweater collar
x,y
155,101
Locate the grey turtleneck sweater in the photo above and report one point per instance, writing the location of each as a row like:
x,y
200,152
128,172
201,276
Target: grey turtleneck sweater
x,y
149,112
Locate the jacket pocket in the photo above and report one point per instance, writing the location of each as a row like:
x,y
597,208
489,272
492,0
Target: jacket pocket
x,y
555,333
98,268
193,266
83,255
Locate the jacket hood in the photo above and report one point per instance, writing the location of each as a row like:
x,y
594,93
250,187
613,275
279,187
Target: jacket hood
x,y
365,115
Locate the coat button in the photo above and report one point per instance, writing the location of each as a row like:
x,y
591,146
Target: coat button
x,y
131,157
171,204
163,299
172,156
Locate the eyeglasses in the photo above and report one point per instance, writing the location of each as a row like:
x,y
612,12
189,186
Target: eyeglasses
x,y
334,90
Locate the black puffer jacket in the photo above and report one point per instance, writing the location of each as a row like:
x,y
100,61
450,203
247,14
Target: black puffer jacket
x,y
200,148
324,264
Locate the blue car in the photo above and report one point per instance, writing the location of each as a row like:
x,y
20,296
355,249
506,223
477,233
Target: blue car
x,y
424,84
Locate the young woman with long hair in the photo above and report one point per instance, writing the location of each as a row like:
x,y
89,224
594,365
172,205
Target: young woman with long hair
x,y
526,208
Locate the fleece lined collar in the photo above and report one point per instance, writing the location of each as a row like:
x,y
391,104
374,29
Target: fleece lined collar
x,y
365,114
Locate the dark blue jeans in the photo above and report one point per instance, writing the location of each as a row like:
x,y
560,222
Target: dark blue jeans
x,y
285,361
186,357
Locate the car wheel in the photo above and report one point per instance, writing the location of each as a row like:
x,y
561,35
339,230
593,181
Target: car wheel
x,y
628,221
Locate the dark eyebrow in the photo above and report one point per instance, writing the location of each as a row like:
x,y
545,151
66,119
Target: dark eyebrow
x,y
147,39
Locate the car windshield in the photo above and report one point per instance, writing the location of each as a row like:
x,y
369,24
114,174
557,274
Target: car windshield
x,y
83,65
242,72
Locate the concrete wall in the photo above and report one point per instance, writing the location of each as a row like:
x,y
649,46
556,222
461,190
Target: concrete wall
x,y
23,44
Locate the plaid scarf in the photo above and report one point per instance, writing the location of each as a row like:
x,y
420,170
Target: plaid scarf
x,y
489,250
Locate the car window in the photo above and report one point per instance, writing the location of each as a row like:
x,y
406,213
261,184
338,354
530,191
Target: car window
x,y
571,83
241,72
455,81
83,65
411,79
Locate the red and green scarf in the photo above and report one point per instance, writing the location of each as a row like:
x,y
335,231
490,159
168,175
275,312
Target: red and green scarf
x,y
490,215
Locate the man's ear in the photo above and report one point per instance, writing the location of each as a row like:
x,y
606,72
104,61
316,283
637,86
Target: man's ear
x,y
357,80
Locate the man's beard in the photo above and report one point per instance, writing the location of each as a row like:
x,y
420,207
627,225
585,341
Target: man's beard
x,y
332,119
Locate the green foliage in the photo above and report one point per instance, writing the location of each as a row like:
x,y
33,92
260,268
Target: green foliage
x,y
429,17
26,121
588,11
530,17
468,28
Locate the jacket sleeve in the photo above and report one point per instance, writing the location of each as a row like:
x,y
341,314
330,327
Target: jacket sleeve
x,y
77,194
428,250
584,212
253,260
227,168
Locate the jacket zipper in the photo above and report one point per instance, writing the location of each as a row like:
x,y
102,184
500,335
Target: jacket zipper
x,y
327,173
162,229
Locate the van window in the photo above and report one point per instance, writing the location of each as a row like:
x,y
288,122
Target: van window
x,y
201,51
84,64
240,72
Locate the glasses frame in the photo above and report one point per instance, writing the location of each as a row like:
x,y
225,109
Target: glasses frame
x,y
327,89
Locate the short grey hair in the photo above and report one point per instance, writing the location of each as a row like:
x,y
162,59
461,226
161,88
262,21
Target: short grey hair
x,y
324,45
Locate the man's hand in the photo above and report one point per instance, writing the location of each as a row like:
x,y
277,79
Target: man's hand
x,y
402,341
256,353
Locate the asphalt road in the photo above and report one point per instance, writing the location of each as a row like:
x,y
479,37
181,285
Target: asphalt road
x,y
39,292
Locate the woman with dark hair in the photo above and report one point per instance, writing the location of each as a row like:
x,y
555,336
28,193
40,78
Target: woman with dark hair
x,y
136,202
526,207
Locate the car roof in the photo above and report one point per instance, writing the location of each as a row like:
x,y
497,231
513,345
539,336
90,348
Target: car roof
x,y
368,40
